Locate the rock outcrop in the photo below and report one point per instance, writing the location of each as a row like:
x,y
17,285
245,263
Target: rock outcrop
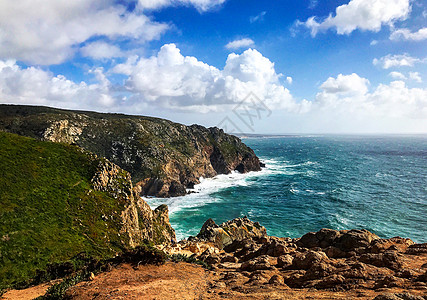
x,y
325,260
139,221
230,231
164,158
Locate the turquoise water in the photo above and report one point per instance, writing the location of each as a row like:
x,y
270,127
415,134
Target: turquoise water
x,y
339,182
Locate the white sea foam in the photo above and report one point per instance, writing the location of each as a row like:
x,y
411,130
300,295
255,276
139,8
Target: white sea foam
x,y
204,192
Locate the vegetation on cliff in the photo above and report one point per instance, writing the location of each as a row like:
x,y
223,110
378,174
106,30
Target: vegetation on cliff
x,y
164,158
57,201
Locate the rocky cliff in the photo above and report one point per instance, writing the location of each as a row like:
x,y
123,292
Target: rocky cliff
x,y
58,201
164,158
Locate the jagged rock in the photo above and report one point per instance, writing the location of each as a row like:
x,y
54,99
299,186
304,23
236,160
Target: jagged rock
x,y
318,270
277,280
234,230
354,239
417,249
303,261
258,263
388,259
400,244
389,281
344,240
139,220
284,261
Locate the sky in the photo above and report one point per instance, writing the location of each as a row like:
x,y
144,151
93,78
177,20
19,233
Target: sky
x,y
271,66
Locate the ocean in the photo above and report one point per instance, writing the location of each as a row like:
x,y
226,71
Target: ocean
x,y
378,183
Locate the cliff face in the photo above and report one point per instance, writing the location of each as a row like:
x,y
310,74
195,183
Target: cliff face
x,y
164,158
57,201
139,221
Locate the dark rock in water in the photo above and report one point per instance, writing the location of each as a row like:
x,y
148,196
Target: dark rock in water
x,y
176,189
164,158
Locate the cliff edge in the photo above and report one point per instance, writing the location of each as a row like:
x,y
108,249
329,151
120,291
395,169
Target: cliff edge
x,y
164,158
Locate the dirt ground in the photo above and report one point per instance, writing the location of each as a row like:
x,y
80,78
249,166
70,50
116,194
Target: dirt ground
x,y
189,281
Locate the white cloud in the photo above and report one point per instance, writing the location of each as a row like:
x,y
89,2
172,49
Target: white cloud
x,y
184,83
415,76
259,17
345,85
406,34
289,79
241,43
397,75
361,14
349,94
49,31
401,60
101,50
35,86
200,5
374,42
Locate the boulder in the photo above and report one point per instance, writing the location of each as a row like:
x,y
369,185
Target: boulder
x,y
234,230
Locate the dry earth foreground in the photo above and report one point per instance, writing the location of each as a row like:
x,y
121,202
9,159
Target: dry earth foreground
x,y
246,263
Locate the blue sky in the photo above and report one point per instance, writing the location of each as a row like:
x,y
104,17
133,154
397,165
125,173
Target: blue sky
x,y
355,66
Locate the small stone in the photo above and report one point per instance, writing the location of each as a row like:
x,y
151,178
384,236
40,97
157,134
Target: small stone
x,y
276,280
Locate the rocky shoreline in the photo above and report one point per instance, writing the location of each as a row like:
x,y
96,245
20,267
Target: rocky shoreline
x,y
246,263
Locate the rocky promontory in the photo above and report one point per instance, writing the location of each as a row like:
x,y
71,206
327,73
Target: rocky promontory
x,y
163,158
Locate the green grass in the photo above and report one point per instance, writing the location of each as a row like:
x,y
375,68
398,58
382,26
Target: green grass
x,y
48,212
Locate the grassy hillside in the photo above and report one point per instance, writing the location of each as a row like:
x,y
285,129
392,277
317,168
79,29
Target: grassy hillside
x,y
48,211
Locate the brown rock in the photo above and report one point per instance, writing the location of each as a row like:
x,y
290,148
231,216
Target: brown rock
x,y
284,261
388,259
305,260
355,239
277,280
258,263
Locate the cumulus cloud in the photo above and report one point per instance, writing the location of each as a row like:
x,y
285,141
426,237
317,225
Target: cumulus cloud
x,y
349,94
200,5
406,34
345,85
35,86
415,76
101,50
401,60
361,14
289,80
241,43
49,31
397,75
172,80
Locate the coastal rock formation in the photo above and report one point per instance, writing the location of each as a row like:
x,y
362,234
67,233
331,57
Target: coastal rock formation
x,y
230,231
164,158
139,221
343,260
